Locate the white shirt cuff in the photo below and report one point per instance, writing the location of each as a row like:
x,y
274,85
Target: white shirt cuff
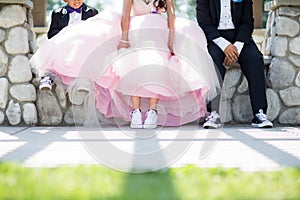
x,y
221,42
239,46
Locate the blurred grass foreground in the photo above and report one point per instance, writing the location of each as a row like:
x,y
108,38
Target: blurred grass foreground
x,y
190,182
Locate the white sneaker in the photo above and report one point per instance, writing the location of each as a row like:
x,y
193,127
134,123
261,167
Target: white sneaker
x,y
136,119
46,83
151,119
212,121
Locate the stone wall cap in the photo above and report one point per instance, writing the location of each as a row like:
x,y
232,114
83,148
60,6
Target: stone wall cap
x,y
26,3
40,29
267,60
259,31
272,5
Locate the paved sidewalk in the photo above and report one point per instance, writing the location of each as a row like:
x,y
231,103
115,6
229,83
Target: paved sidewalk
x,y
123,148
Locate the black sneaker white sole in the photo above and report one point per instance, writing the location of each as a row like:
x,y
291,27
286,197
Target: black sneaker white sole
x,y
264,124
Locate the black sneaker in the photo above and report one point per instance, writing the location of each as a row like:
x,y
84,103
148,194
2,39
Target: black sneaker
x,y
212,121
260,120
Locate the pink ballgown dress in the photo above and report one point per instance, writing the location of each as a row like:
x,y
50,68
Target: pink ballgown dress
x,y
184,83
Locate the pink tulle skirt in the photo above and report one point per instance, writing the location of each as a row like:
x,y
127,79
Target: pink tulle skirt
x,y
183,83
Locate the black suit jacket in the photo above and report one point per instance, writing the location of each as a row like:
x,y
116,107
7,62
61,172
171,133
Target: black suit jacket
x,y
208,17
60,18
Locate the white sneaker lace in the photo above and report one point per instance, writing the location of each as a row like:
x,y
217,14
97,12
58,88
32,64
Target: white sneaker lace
x,y
261,116
213,116
46,80
151,116
135,116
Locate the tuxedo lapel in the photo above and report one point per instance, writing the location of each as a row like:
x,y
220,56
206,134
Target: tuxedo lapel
x,y
218,8
84,14
64,16
232,5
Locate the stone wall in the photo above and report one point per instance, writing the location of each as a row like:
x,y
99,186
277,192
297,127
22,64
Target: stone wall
x,y
281,48
283,44
17,93
40,34
21,103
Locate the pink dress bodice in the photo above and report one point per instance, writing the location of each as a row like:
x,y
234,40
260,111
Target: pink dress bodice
x,y
141,7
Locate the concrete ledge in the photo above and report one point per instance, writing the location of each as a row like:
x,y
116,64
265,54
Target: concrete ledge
x,y
40,30
259,31
26,3
267,60
277,3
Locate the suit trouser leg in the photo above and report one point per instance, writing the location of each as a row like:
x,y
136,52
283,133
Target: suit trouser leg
x,y
252,66
218,57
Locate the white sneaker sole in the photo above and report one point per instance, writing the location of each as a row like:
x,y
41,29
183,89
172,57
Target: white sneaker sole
x,y
149,126
266,124
211,125
136,126
44,87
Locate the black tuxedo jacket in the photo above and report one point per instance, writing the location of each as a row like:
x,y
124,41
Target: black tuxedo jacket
x,y
208,17
60,18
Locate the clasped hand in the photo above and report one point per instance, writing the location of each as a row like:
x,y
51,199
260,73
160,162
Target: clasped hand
x,y
232,55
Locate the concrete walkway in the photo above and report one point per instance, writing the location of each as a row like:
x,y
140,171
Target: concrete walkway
x,y
125,149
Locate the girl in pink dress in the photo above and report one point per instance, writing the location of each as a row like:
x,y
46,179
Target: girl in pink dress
x,y
158,7
144,60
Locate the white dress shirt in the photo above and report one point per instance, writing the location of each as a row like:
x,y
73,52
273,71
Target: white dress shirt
x,y
225,18
226,24
74,18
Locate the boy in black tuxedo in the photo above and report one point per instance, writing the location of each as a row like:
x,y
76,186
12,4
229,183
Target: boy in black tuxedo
x,y
74,12
228,26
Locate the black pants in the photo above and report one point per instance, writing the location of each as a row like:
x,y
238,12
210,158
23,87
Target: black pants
x,y
252,66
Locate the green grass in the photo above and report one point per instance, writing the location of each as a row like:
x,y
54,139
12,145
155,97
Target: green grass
x,y
97,182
